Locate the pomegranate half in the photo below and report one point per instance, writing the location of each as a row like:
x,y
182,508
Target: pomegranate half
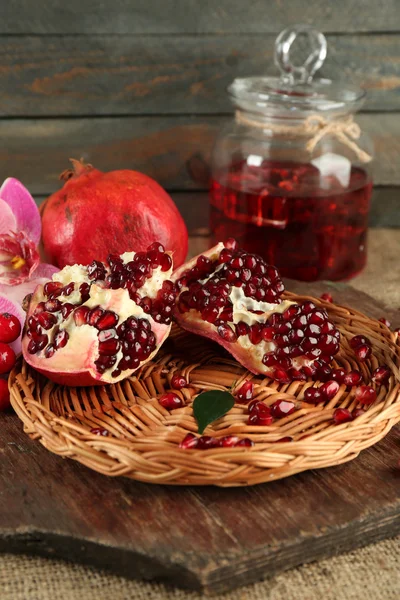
x,y
234,298
96,213
98,324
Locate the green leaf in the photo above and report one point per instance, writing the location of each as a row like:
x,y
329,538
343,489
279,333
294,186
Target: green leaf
x,y
210,406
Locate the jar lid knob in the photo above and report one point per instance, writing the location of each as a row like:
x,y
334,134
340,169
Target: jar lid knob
x,y
304,73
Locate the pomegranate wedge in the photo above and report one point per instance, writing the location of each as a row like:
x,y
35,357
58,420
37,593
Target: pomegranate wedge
x,y
98,324
234,298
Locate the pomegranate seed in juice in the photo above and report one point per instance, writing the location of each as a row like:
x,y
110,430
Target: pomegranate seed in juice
x,y
307,224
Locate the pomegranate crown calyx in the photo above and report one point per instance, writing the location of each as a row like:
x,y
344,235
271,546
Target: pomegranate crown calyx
x,y
78,168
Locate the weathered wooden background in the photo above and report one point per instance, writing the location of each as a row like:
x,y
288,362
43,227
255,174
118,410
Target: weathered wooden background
x,y
141,84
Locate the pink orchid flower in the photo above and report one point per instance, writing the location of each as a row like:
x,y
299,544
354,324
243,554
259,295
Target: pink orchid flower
x,y
20,267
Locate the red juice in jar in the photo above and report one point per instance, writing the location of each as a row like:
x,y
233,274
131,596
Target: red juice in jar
x,y
309,225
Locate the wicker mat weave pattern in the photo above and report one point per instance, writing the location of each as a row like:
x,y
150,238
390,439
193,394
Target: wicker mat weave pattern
x,y
144,437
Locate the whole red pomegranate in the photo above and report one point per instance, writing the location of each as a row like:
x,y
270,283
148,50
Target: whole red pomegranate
x,y
97,213
98,324
234,298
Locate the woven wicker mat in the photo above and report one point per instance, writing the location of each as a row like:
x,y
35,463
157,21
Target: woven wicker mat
x,y
371,573
144,437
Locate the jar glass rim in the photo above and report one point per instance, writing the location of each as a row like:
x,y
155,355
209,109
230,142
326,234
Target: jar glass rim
x,y
266,94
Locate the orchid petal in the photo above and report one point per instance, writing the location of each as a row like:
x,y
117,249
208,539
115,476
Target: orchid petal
x,y
44,271
7,219
8,306
23,206
18,258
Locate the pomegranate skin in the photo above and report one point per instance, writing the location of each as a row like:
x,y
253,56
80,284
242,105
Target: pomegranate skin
x,y
96,213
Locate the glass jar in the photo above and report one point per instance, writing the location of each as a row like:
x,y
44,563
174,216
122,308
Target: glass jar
x,y
291,176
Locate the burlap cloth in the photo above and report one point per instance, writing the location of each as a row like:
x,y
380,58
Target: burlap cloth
x,y
372,572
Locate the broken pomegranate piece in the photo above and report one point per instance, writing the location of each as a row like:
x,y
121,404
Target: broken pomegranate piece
x,y
98,324
234,298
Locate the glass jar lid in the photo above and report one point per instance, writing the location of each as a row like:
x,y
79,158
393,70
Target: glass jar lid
x,y
295,91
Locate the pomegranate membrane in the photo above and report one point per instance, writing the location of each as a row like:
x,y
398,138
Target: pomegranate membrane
x,y
310,226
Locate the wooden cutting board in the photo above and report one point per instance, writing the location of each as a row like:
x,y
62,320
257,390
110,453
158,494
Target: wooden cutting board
x,y
210,539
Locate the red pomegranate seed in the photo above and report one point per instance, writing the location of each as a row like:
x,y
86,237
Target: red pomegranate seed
x,y
46,320
84,290
231,244
94,316
262,419
52,286
256,406
67,309
329,389
365,394
245,393
363,352
99,431
281,376
7,358
381,375
105,362
39,308
385,322
107,320
352,378
359,340
327,297
50,351
4,395
358,412
189,441
171,401
313,395
109,347
52,306
61,339
227,333
338,375
229,441
342,415
80,315
297,375
178,382
206,442
10,328
282,408
245,443
324,373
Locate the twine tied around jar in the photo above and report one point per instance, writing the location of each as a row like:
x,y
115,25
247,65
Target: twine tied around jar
x,y
316,127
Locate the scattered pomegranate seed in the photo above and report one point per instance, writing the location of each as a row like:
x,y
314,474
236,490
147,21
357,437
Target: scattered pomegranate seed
x,y
338,375
7,358
342,415
205,442
312,395
324,373
189,441
329,389
170,401
99,431
359,340
357,412
262,419
178,382
352,378
245,393
245,442
10,328
256,406
282,408
4,395
229,441
327,297
381,375
363,352
385,322
365,394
